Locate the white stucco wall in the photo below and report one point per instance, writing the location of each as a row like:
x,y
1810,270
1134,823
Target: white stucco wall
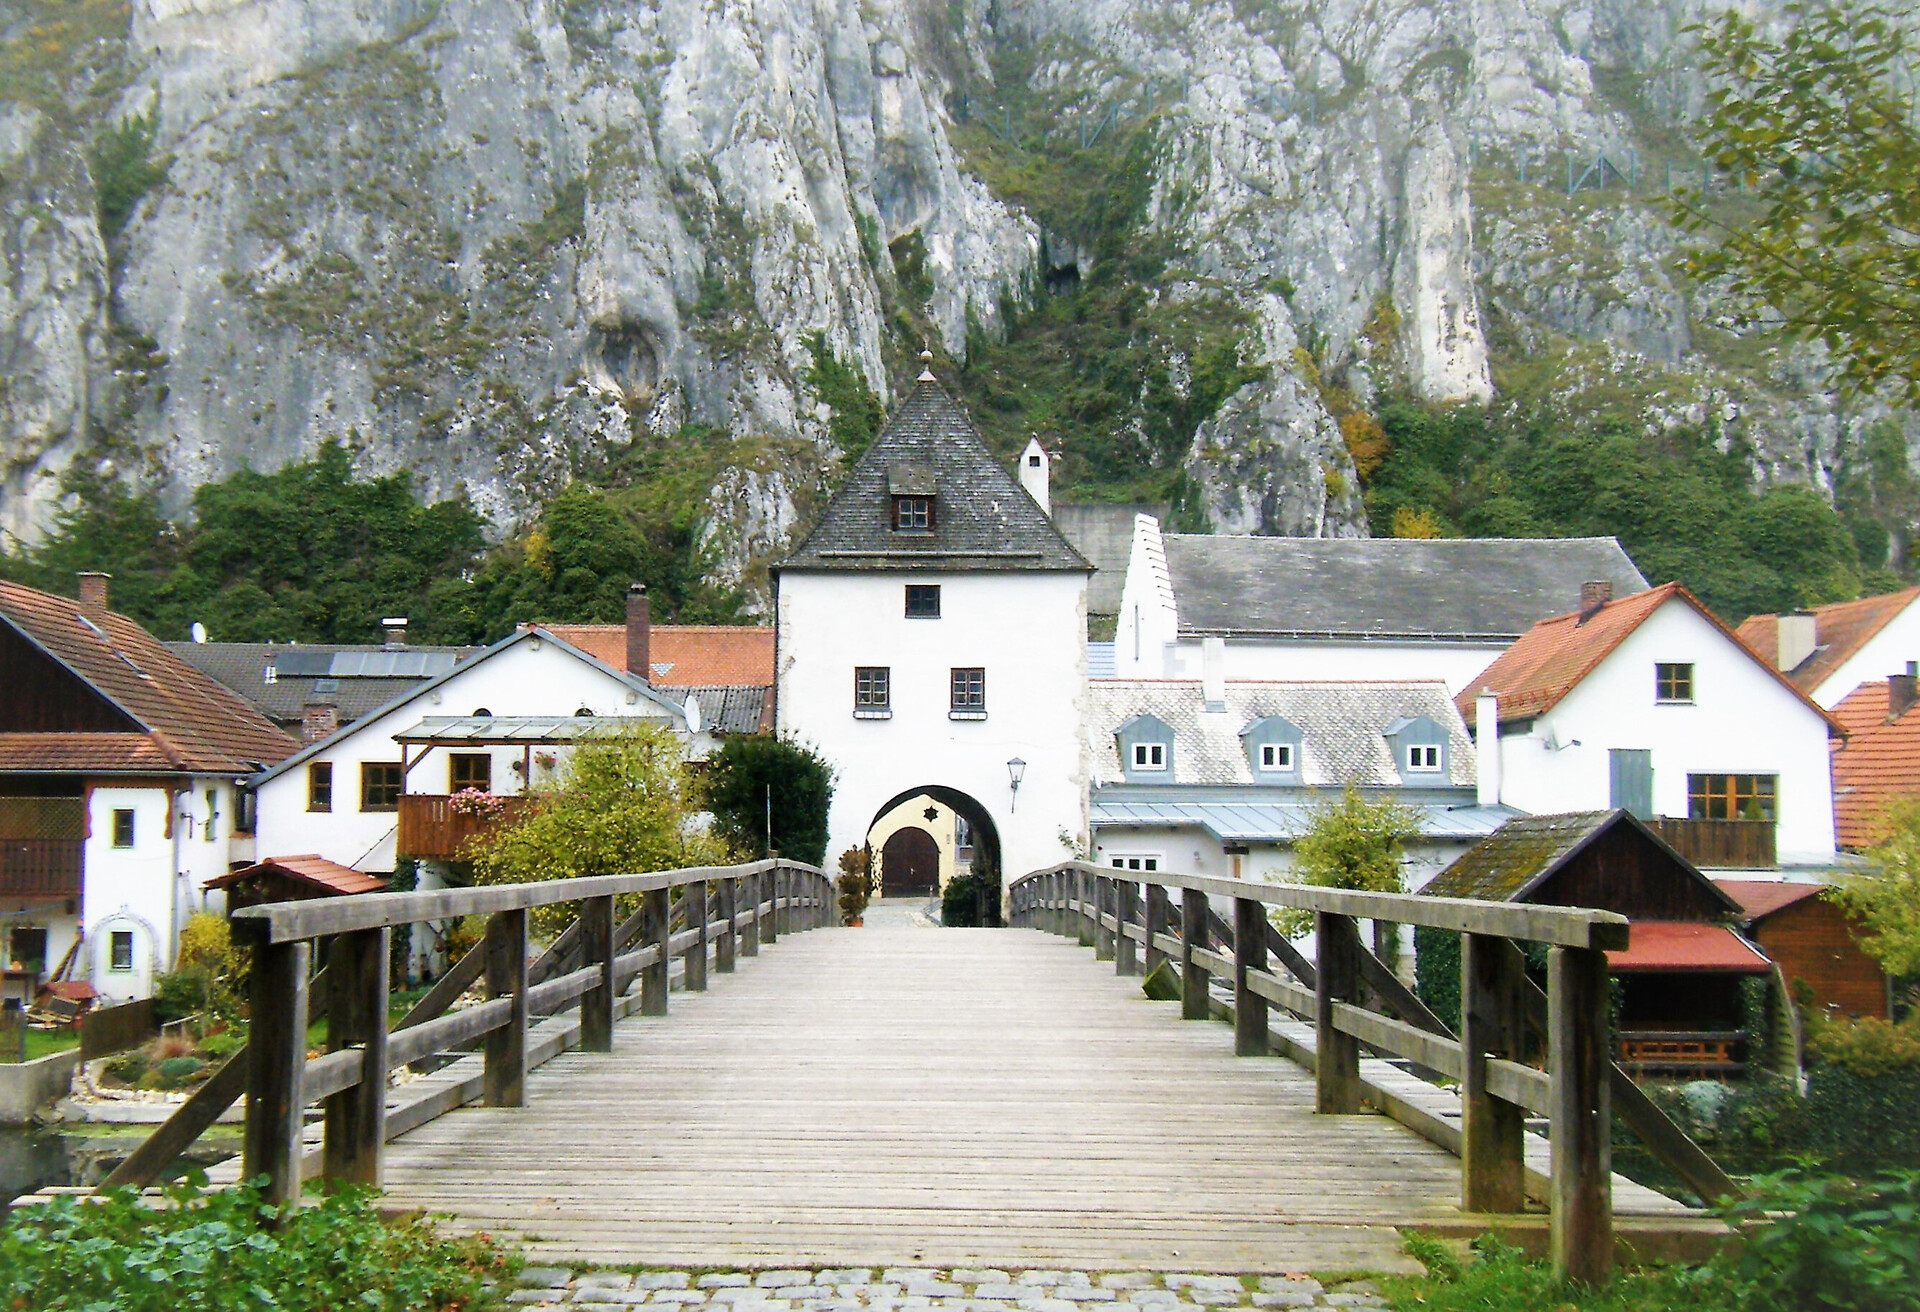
x,y
1028,631
1886,652
1456,664
1742,721
1148,618
523,679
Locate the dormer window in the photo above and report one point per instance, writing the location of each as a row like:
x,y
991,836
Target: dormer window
x,y
1149,756
912,489
1145,744
1276,756
1419,745
1423,756
913,514
1273,747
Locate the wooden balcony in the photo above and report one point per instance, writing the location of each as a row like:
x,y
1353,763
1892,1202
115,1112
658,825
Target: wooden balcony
x,y
1674,1051
1720,844
39,869
430,827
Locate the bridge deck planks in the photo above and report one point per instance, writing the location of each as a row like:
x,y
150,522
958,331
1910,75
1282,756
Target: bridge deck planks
x,y
901,1095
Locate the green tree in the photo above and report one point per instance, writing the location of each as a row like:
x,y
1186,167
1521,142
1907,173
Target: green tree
x,y
855,417
1820,121
1354,843
753,779
621,805
1886,901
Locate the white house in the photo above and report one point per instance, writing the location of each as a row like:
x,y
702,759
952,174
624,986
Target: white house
x,y
118,800
495,723
1347,608
1652,704
931,643
1829,651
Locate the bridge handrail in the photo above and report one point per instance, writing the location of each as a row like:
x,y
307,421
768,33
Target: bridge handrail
x,y
1507,1020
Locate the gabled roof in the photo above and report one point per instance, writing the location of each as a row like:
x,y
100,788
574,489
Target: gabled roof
x,y
88,753
1879,763
1509,865
1437,589
1840,630
1550,659
676,710
982,518
195,723
685,655
326,877
1760,898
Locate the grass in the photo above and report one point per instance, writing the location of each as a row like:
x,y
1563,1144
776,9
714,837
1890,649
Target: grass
x,y
42,1043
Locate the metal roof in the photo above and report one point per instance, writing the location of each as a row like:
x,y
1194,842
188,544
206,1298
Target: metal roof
x,y
1284,821
504,730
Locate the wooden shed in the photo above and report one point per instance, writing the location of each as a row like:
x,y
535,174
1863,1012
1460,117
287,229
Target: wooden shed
x,y
1812,940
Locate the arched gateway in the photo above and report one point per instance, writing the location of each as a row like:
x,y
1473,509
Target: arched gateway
x,y
923,837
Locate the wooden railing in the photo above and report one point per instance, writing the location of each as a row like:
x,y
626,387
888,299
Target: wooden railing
x,y
430,827
1352,1000
1723,844
40,868
1657,1051
725,912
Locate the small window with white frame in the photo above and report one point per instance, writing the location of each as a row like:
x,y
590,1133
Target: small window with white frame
x,y
120,950
1423,756
1133,862
1276,756
1149,756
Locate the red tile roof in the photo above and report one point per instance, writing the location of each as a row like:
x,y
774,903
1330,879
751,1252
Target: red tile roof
x,y
1550,659
692,655
1760,898
1879,763
1840,629
329,876
195,723
1661,945
82,753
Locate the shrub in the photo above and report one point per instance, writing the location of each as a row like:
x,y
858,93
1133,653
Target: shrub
x,y
172,1072
1867,1046
221,1250
1829,1242
189,991
128,1067
970,900
219,1045
748,778
855,882
1863,1121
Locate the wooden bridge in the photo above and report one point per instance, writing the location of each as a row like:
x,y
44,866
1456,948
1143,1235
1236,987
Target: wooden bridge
x,y
904,1095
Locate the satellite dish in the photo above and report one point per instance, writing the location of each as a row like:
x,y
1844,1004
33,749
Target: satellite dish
x,y
199,631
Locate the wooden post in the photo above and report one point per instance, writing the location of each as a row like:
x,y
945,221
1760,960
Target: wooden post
x,y
1580,1211
697,950
1085,885
276,1065
1062,889
729,897
750,904
1194,979
356,1118
774,883
1102,937
1159,912
1249,955
1492,1024
596,949
1336,979
504,1076
1126,960
656,930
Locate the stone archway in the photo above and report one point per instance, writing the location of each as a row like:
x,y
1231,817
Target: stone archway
x,y
968,843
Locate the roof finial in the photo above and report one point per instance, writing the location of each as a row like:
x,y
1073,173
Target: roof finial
x,y
926,364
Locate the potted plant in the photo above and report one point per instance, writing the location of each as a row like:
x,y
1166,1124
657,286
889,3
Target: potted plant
x,y
855,884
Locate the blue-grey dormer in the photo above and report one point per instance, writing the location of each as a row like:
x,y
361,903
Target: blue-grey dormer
x,y
1419,747
1146,750
1273,747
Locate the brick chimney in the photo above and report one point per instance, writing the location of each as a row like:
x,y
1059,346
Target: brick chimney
x,y
318,719
1900,693
1594,594
639,632
93,589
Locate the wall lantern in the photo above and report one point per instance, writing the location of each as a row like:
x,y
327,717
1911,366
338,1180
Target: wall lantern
x,y
1016,771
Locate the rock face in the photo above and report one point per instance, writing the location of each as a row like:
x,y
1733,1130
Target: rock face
x,y
496,241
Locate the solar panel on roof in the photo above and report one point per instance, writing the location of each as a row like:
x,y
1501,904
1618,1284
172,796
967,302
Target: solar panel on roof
x,y
302,664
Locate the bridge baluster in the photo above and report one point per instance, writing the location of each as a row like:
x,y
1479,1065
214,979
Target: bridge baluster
x,y
504,1074
750,906
696,955
1126,961
1337,979
596,949
1581,1209
1159,911
728,896
774,882
1102,936
356,1118
1249,954
1194,978
276,1066
1492,1024
657,933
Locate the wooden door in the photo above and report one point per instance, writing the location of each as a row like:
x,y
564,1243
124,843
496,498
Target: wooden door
x,y
909,864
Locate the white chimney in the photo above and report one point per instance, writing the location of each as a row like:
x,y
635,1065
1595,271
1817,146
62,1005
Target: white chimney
x,y
396,628
1798,633
1213,672
1035,465
1486,747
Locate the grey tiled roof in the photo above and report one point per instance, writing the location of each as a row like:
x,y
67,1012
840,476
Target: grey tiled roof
x,y
1104,535
1446,588
317,672
1267,820
982,519
1341,726
727,709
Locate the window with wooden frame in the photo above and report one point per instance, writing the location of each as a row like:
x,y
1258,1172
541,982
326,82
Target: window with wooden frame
x,y
1673,682
380,785
913,514
923,601
320,786
872,691
470,770
968,699
120,950
123,826
1732,796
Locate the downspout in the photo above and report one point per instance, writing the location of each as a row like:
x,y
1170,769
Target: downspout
x,y
174,873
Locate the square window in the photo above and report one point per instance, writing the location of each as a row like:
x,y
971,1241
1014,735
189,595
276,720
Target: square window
x,y
120,950
470,770
923,601
1149,756
1673,683
320,786
969,690
123,827
872,687
1135,863
380,786
913,514
1732,796
1276,756
1423,757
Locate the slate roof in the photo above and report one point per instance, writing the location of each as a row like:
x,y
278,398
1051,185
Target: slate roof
x,y
1444,589
1341,725
1104,535
1840,630
354,678
1879,763
329,877
983,519
1550,659
194,723
1528,850
685,655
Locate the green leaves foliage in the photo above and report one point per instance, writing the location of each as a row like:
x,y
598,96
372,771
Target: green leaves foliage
x,y
228,1250
752,779
124,169
1820,120
855,416
1885,900
1826,1242
1354,843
